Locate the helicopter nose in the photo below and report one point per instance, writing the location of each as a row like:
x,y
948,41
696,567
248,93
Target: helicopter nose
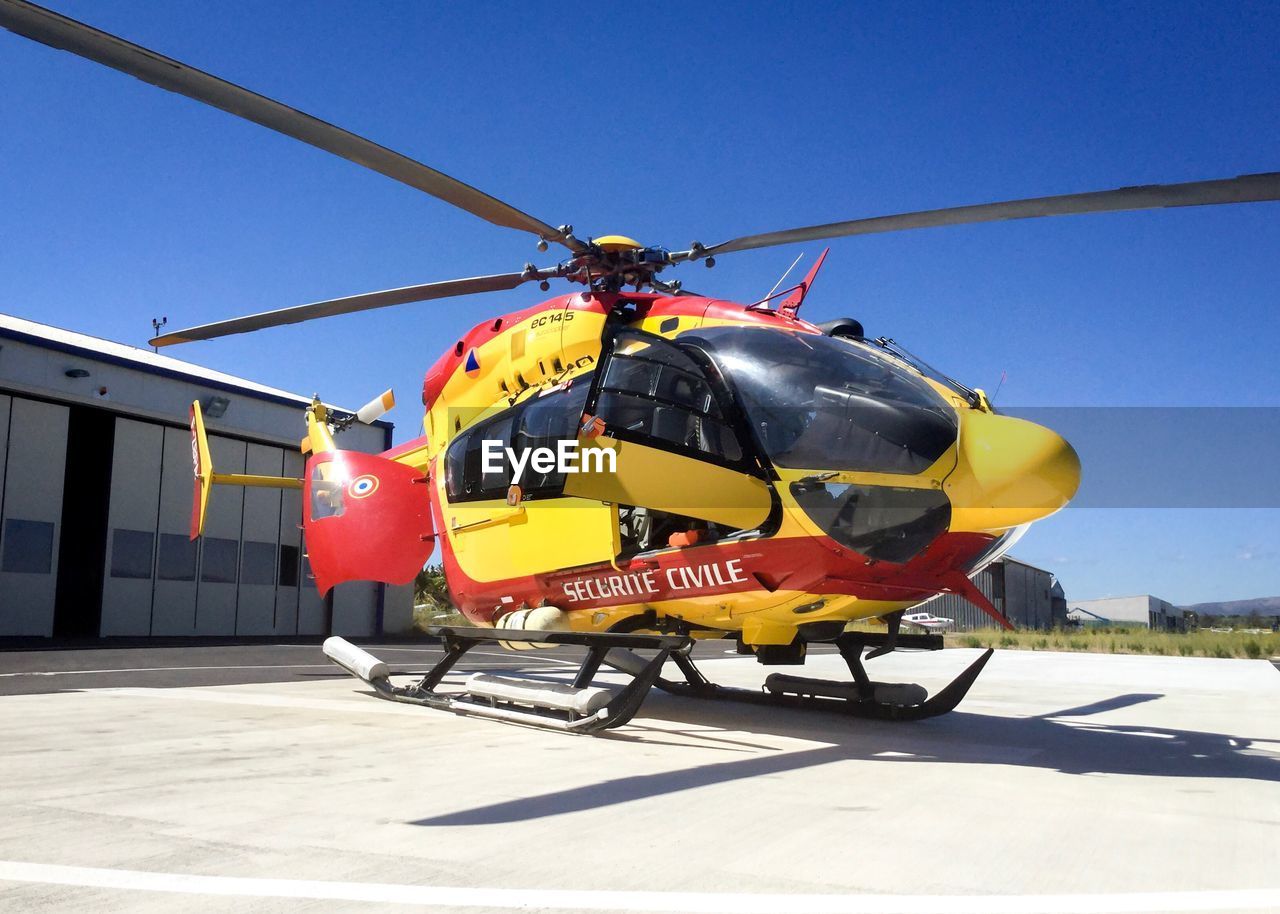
x,y
1009,472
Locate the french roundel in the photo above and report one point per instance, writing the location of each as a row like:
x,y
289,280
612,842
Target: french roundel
x,y
363,486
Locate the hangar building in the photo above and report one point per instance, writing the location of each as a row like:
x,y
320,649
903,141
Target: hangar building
x,y
1027,596
1145,610
95,500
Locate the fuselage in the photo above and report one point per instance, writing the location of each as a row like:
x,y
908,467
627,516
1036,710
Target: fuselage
x,y
768,476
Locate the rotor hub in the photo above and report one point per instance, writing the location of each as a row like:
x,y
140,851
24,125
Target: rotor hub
x,y
613,261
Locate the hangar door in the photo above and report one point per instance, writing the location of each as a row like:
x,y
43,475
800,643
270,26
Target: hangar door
x,y
241,578
131,526
33,453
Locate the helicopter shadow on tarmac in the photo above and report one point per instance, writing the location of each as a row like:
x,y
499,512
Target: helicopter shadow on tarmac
x,y
1057,741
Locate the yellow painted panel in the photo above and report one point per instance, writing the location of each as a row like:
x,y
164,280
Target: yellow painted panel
x,y
492,540
653,478
563,533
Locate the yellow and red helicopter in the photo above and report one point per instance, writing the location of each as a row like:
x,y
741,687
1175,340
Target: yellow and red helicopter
x,y
756,476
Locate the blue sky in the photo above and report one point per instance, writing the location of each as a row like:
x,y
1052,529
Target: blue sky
x,y
119,202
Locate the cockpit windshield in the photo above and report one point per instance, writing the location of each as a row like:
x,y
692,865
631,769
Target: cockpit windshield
x,y
891,346
817,402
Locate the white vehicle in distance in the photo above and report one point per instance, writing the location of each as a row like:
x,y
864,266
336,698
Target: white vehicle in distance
x,y
930,622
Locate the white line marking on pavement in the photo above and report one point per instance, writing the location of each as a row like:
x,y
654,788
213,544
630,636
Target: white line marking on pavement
x,y
170,669
607,900
526,661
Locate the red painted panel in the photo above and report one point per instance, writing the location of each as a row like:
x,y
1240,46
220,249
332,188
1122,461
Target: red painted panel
x,y
808,564
366,518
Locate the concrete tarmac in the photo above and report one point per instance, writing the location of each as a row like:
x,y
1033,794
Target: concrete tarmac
x,y
1064,782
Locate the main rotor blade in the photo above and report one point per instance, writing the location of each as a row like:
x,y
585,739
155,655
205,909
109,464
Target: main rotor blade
x,y
1244,189
57,31
352,303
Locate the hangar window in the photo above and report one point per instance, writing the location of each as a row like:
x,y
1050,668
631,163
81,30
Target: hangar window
x,y
131,553
219,565
28,546
288,566
177,560
258,563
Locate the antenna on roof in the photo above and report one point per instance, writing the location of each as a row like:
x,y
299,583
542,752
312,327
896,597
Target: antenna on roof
x,y
156,324
1003,376
781,278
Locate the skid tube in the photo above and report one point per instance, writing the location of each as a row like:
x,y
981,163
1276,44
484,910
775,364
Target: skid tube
x,y
579,708
862,697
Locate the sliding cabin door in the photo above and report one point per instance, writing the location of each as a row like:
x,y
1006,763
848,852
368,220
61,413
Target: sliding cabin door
x,y
547,530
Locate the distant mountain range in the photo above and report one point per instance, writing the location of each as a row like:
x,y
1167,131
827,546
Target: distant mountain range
x,y
1263,606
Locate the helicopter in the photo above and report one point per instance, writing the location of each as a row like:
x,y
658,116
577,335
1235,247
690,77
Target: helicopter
x,y
633,468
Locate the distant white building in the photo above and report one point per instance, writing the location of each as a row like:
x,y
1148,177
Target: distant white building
x,y
1144,609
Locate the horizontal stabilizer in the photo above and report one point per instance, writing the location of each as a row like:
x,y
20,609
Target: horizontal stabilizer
x,y
206,478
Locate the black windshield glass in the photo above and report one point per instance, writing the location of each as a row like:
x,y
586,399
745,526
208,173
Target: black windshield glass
x,y
892,347
817,402
884,523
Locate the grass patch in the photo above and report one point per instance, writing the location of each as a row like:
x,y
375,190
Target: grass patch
x,y
1115,639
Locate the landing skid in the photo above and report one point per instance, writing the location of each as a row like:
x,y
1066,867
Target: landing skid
x,y
862,697
583,708
577,708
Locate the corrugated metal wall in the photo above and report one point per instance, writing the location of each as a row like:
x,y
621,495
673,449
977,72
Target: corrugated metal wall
x,y
1028,597
1022,592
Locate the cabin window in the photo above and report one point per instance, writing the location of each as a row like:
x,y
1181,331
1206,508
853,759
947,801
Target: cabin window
x,y
656,394
494,481
538,422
